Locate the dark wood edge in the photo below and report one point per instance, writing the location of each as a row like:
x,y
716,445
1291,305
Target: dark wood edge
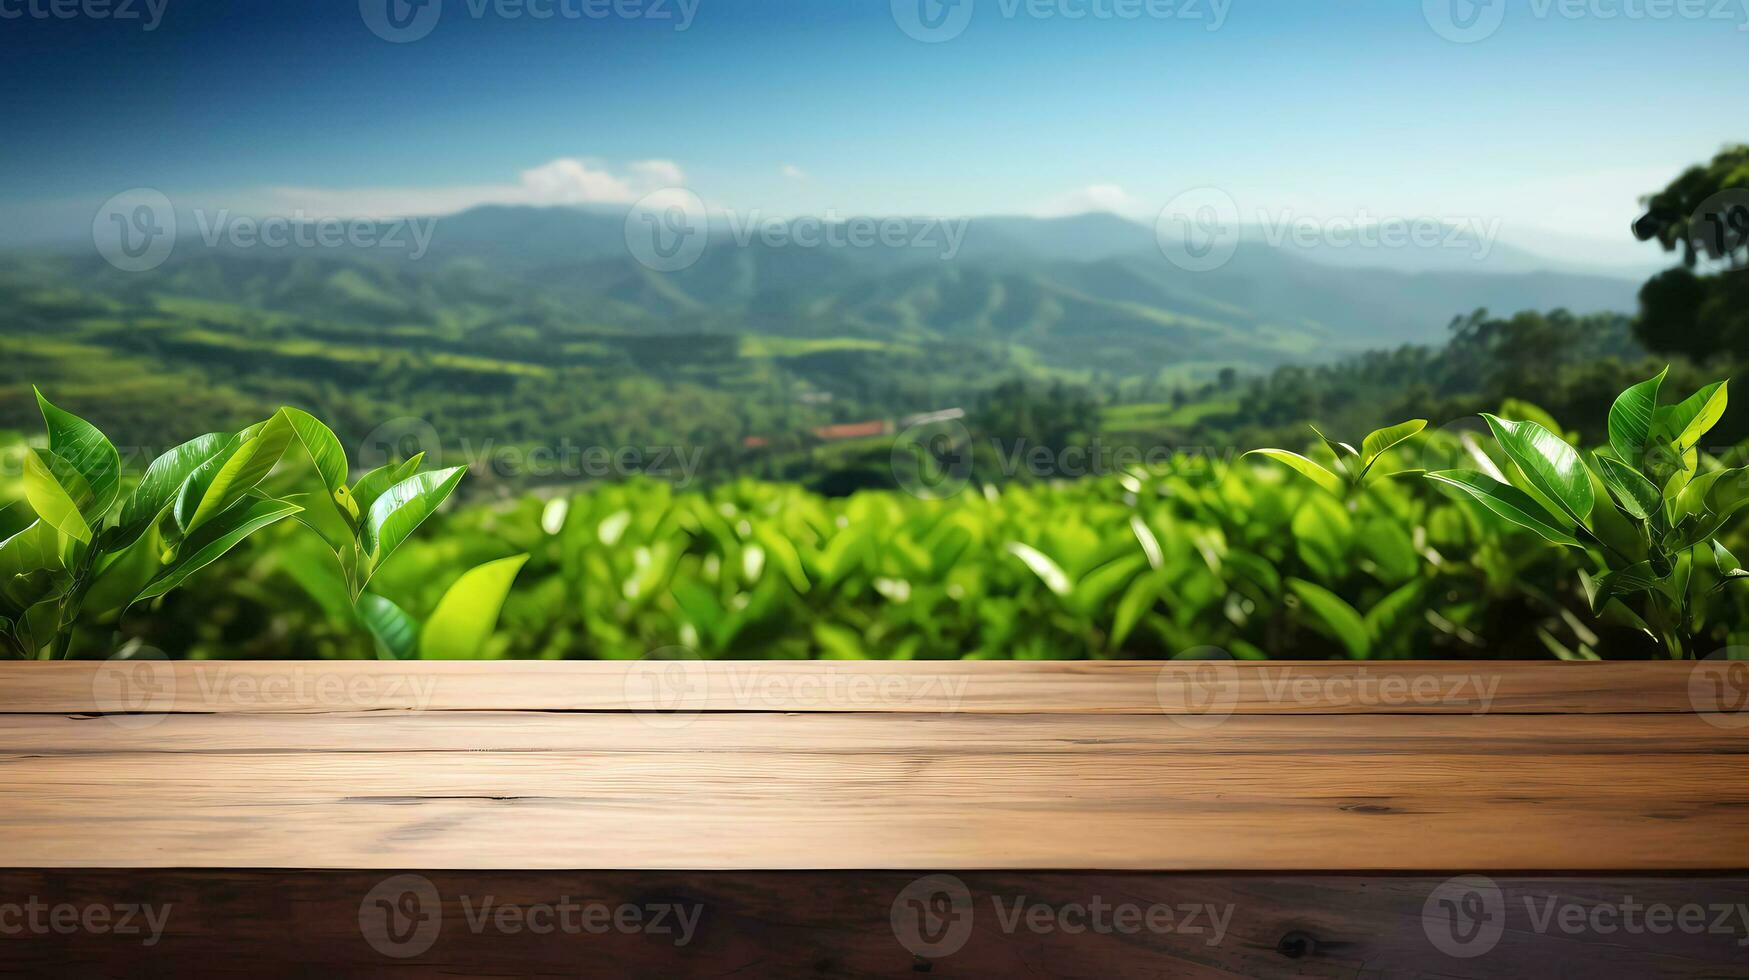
x,y
873,924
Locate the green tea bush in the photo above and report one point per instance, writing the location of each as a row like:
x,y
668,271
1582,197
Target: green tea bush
x,y
78,552
1355,555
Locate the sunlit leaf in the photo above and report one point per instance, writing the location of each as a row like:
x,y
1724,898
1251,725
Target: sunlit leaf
x,y
215,537
329,457
1684,423
227,477
52,501
1377,443
1305,467
162,483
371,485
1509,502
88,451
467,613
1041,564
402,508
1630,420
1545,459
1634,492
1727,563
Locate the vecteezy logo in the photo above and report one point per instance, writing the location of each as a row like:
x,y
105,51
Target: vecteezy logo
x,y
1199,229
1718,688
932,21
1199,689
932,916
400,21
134,688
398,440
1465,916
666,229
401,916
1719,228
1464,21
667,688
933,460
135,230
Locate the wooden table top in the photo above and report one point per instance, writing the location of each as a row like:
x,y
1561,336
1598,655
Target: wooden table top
x,y
686,765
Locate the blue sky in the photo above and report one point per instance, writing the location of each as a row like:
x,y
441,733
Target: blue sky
x,y
1554,122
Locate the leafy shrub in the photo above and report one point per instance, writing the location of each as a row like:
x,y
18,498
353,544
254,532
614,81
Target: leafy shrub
x,y
1198,552
1648,512
84,560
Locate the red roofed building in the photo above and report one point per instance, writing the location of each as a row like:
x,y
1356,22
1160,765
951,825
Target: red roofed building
x,y
853,430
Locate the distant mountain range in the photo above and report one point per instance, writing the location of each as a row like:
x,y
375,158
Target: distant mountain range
x,y
1089,292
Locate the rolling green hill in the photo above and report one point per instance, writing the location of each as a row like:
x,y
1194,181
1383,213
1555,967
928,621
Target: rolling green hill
x,y
525,326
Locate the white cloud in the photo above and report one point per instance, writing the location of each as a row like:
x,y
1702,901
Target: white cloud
x,y
567,180
793,172
1093,197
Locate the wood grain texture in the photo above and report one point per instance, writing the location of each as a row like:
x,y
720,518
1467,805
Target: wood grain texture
x,y
1315,780
1057,687
801,924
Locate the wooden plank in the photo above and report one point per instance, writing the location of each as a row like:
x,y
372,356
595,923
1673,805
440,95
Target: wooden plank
x,y
870,924
1067,687
887,790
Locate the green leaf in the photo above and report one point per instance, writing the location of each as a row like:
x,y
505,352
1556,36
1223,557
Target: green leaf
x,y
51,501
1630,420
1376,444
1612,526
1150,544
784,555
212,489
1134,604
215,537
402,508
1684,423
1041,564
1545,459
1727,563
1389,614
39,628
1095,587
465,616
328,456
389,625
1706,503
371,485
128,569
1336,614
838,642
162,483
1509,502
15,517
1561,651
1638,577
700,607
35,547
1305,467
1345,454
88,451
18,593
323,446
1634,492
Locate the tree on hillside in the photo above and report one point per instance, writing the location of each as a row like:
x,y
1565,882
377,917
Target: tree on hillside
x,y
1704,212
1699,214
